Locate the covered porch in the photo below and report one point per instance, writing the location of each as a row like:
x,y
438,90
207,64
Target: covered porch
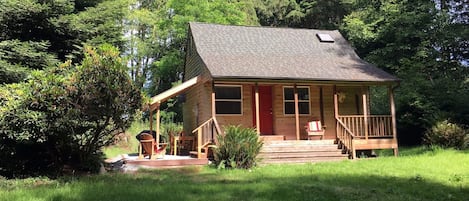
x,y
280,110
367,131
348,121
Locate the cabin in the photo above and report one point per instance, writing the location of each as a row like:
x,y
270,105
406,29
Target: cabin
x,y
277,80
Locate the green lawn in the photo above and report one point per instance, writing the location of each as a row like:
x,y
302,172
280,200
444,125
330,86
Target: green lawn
x,y
418,174
129,146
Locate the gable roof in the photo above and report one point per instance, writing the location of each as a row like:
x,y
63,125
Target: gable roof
x,y
246,52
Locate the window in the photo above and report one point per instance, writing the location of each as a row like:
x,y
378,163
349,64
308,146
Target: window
x,y
289,100
228,99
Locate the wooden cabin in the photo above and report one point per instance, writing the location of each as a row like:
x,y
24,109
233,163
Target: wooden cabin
x,y
276,80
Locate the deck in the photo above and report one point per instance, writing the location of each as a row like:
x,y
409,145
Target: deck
x,y
132,162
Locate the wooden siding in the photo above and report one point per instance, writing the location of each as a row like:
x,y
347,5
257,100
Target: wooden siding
x,y
329,118
197,106
352,103
194,65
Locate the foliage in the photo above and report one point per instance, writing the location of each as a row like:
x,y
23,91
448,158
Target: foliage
x,y
237,148
318,14
94,26
421,176
64,115
16,57
447,134
35,34
421,42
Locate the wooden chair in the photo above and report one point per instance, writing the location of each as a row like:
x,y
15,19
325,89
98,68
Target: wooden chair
x,y
148,147
314,128
182,144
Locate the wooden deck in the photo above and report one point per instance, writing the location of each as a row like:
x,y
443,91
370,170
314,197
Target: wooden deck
x,y
362,144
169,161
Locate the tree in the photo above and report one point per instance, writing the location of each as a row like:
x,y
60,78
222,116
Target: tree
x,y
37,33
64,115
156,37
142,38
279,12
425,47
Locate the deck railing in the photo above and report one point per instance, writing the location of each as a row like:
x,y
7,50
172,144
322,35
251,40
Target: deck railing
x,y
375,126
345,138
206,134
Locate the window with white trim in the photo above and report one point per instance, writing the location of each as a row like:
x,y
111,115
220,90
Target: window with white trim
x,y
289,100
228,99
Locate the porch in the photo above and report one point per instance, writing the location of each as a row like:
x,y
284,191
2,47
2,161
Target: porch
x,y
280,110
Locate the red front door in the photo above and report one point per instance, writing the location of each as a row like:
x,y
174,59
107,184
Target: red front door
x,y
265,109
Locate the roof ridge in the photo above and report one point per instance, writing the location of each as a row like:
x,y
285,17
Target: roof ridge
x,y
260,26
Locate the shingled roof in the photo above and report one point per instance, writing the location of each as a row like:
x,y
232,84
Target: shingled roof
x,y
247,52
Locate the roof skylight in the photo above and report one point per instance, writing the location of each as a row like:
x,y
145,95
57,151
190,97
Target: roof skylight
x,y
325,38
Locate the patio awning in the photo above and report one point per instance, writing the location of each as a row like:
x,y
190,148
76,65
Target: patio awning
x,y
158,99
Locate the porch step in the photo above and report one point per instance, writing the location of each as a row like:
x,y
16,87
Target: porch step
x,y
300,152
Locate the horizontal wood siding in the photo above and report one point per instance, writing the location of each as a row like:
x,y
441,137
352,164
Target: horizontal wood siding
x,y
194,65
329,118
197,106
352,103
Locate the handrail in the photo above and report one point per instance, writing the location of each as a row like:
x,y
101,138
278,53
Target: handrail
x,y
203,124
363,115
346,136
205,133
345,127
217,126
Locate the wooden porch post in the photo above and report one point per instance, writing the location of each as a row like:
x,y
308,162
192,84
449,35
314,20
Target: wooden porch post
x,y
297,113
214,113
336,110
365,110
336,103
321,105
393,117
151,121
258,123
214,109
157,124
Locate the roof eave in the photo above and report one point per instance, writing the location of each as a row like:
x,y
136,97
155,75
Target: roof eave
x,y
305,80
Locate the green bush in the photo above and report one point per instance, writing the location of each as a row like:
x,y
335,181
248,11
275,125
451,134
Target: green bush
x,y
62,116
237,148
446,134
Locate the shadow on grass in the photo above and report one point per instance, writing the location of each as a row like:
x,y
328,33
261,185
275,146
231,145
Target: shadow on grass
x,y
189,184
416,151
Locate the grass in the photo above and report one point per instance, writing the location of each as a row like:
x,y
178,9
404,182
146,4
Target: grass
x,y
419,174
130,145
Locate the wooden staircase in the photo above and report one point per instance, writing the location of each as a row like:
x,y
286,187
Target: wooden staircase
x,y
293,151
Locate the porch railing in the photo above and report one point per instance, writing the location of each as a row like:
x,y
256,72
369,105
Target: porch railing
x,y
206,134
376,126
346,137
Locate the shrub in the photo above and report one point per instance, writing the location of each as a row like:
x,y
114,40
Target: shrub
x,y
237,148
446,134
62,116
